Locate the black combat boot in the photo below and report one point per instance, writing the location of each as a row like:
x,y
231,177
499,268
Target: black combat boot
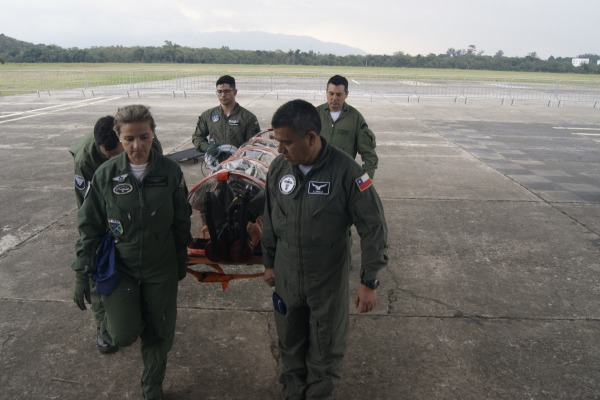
x,y
103,346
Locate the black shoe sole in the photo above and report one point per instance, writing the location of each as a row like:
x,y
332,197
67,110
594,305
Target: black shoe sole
x,y
107,350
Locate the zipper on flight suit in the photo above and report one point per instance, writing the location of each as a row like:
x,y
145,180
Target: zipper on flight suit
x,y
299,236
140,187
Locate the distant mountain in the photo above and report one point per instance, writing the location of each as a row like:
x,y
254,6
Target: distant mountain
x,y
250,40
9,45
254,40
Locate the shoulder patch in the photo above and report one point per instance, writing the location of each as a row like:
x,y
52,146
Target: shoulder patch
x,y
364,182
80,183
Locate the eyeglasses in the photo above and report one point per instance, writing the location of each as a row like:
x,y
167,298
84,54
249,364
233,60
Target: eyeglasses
x,y
226,91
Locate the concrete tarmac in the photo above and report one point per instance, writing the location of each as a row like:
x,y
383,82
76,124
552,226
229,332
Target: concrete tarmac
x,y
491,291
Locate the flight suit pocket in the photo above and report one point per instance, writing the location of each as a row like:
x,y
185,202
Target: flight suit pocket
x,y
331,219
323,204
344,140
321,333
367,139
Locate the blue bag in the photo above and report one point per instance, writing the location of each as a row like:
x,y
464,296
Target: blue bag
x,y
105,271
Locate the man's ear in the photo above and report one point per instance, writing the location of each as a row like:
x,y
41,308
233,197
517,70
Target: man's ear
x,y
312,137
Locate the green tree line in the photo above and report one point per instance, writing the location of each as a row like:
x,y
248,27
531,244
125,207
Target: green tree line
x,y
15,51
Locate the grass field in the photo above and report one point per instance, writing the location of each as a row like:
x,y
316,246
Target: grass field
x,y
270,69
57,76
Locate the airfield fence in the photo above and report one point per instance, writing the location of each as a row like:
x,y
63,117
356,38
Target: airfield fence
x,y
184,83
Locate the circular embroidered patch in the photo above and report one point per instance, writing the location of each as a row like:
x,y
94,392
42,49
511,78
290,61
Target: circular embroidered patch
x,y
287,184
123,188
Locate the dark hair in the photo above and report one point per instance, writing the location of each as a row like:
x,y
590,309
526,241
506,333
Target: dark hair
x,y
104,135
298,115
226,79
134,113
337,80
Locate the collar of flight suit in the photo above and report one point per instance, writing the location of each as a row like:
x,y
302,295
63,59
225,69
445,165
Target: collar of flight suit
x,y
322,159
123,162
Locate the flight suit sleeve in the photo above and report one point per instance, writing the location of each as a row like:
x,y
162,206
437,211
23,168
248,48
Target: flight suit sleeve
x,y
366,147
268,239
83,179
369,219
252,128
200,135
181,223
80,196
91,223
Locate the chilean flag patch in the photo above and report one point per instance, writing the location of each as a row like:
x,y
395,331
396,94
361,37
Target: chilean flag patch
x,y
364,182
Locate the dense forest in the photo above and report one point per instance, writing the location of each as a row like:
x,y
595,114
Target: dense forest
x,y
15,51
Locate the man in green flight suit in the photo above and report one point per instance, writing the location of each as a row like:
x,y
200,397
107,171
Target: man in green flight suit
x,y
344,126
89,153
314,193
228,123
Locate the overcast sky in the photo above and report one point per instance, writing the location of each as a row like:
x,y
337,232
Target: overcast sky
x,y
562,28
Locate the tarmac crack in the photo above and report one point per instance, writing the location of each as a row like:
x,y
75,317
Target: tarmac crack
x,y
273,345
393,298
34,234
459,314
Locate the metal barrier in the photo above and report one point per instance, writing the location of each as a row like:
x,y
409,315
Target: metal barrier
x,y
581,91
136,82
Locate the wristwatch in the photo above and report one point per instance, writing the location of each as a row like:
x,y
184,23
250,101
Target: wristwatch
x,y
371,283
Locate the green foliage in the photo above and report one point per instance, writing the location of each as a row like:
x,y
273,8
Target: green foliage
x,y
15,51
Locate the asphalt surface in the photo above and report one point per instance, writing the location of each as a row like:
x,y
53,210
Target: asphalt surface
x,y
491,292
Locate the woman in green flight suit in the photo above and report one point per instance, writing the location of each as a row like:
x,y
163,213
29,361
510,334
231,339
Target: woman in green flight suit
x,y
141,196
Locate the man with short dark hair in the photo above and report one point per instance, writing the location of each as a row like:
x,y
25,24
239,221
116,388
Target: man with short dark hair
x,y
314,193
344,126
228,123
91,151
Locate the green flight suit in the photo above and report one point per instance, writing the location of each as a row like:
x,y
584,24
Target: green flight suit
x,y
351,134
307,221
87,157
151,221
235,129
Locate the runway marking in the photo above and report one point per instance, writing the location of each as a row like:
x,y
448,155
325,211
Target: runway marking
x,y
580,128
397,143
24,147
44,108
62,107
585,134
